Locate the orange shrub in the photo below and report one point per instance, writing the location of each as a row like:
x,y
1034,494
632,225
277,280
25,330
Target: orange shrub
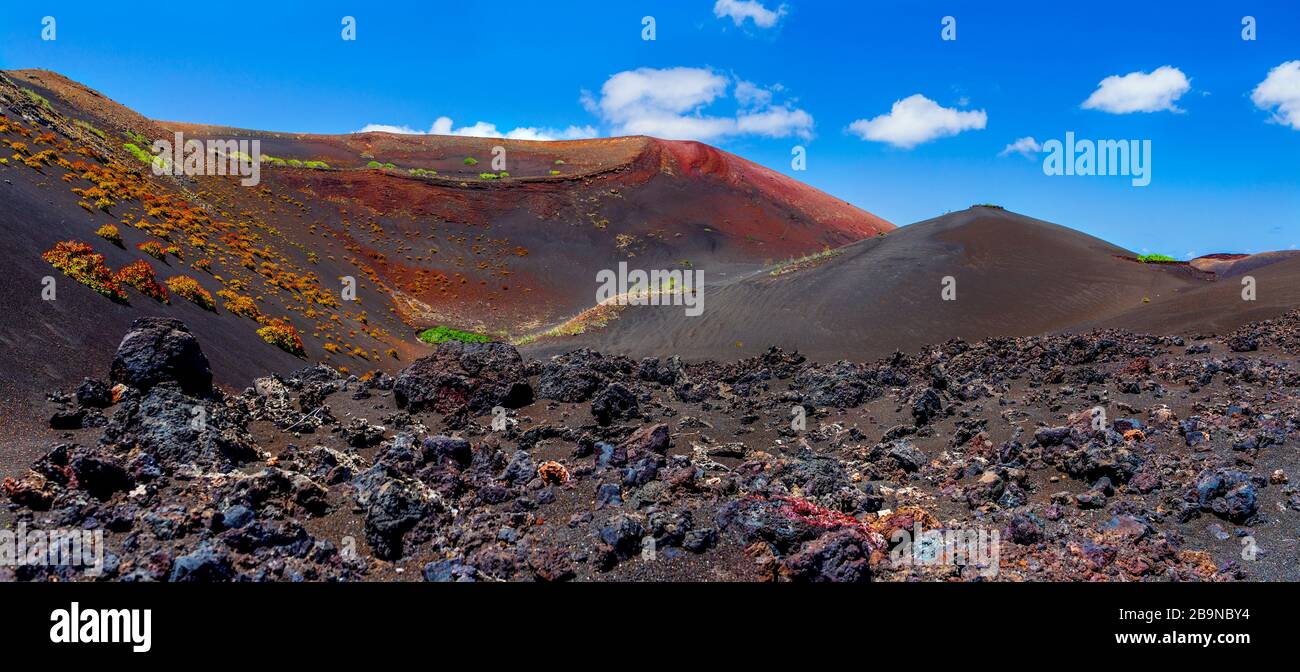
x,y
189,288
240,305
80,262
139,274
154,249
282,335
109,232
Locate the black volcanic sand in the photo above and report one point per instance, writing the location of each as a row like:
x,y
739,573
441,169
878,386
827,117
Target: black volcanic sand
x,y
1193,462
1218,307
1015,276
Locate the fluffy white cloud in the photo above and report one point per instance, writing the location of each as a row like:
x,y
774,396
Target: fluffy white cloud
x,y
775,122
1026,146
483,129
917,119
739,10
749,94
1140,92
1280,92
670,103
673,91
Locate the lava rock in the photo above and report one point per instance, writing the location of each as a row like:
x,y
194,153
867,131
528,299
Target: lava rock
x,y
575,376
623,534
204,564
449,571
650,439
476,377
445,449
394,509
158,350
699,541
1227,494
906,455
609,494
99,475
68,418
94,393
615,402
1024,529
840,556
926,406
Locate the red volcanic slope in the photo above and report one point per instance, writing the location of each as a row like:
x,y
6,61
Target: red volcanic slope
x,y
694,158
537,239
510,256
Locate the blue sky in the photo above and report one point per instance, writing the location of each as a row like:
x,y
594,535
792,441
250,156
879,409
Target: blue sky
x,y
758,78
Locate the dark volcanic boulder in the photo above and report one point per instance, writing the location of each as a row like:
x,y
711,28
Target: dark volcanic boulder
x,y
98,473
926,406
574,377
840,556
473,376
205,564
615,402
158,350
839,385
648,440
1228,494
394,509
446,449
94,394
177,430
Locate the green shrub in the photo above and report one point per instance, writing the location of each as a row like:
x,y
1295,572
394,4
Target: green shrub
x,y
471,161
488,176
92,129
1155,258
442,334
38,98
146,157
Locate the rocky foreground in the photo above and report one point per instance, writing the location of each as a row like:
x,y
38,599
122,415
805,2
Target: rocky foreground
x,y
1106,456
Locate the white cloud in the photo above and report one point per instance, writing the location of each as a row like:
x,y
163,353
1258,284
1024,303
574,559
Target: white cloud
x,y
1140,92
749,94
776,122
739,10
1280,92
483,129
671,90
671,103
1026,146
915,120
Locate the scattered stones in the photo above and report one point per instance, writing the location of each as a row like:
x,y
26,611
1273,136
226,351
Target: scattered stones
x,y
996,436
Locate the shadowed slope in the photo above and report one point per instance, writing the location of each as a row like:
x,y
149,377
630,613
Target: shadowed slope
x,y
1013,276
